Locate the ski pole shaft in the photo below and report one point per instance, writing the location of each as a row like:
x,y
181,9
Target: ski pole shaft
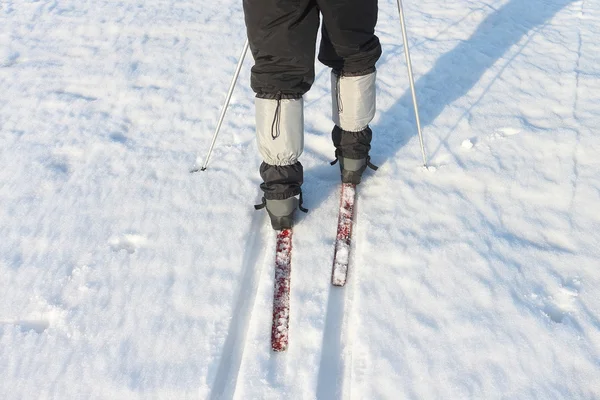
x,y
226,105
411,79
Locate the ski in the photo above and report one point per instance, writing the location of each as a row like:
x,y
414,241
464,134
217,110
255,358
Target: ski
x,y
341,257
281,294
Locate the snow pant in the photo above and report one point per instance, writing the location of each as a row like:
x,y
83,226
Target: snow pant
x,y
282,35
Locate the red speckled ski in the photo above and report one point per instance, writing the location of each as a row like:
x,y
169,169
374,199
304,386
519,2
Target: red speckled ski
x,y
281,295
341,257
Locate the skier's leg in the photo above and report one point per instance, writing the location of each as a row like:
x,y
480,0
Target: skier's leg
x,y
349,46
282,35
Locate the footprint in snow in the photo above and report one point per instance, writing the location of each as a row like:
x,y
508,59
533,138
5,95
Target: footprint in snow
x,y
468,144
563,303
37,326
129,242
118,137
504,133
8,58
59,167
501,133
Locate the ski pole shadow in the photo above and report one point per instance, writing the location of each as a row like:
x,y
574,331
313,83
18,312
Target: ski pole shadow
x,y
452,76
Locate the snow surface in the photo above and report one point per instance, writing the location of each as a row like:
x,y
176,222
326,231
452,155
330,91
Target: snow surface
x,y
123,276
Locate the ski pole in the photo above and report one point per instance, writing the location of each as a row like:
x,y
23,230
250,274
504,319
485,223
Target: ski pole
x,y
225,106
412,81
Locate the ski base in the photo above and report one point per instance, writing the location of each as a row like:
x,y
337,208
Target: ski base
x,y
281,295
343,242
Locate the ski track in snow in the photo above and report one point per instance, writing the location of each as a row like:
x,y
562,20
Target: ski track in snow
x,y
337,374
123,276
233,350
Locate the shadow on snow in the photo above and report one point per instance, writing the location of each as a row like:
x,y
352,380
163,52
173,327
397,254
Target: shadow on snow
x,y
452,76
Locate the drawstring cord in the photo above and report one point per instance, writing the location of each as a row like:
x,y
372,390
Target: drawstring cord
x,y
276,125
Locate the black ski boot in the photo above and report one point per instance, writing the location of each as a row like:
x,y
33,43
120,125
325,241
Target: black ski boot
x,y
352,169
281,212
352,152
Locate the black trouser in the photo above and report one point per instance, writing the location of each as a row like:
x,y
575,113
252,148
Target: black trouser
x,y
282,35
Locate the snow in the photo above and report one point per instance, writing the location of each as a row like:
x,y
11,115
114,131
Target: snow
x,y
123,276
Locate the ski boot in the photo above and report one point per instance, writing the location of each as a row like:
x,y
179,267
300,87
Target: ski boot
x,y
281,212
352,169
